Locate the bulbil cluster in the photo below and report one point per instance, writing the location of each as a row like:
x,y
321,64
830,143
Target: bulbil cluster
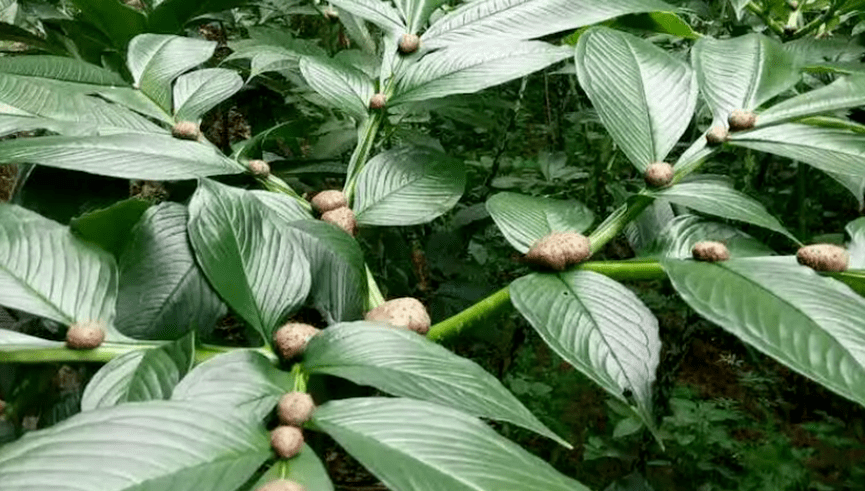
x,y
740,120
258,168
186,130
409,43
710,251
717,135
334,209
560,250
824,257
85,335
290,340
658,175
404,312
295,408
281,485
377,101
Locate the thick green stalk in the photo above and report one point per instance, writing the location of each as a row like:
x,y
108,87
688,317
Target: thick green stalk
x,y
366,138
104,353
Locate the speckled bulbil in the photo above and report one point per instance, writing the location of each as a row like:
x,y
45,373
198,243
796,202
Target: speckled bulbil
x,y
258,168
343,218
85,335
295,408
716,135
286,441
740,120
377,101
658,175
186,130
281,485
405,312
710,251
559,250
823,257
328,200
409,43
291,339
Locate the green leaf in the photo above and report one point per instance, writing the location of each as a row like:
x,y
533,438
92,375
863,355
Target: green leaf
x,y
244,380
117,20
142,375
155,60
136,100
506,20
598,326
661,22
287,208
109,228
469,68
46,271
644,96
60,68
408,186
170,16
417,12
524,220
644,230
682,232
715,198
404,364
742,72
163,293
812,324
831,150
421,446
9,340
257,267
305,469
200,91
139,446
843,93
342,86
856,247
128,156
379,12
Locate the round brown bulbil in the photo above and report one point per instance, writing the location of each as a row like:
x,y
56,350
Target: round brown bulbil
x,y
560,250
282,485
186,130
286,441
658,175
740,120
343,218
295,408
328,200
409,43
258,168
377,101
823,257
85,335
716,135
291,339
710,251
405,312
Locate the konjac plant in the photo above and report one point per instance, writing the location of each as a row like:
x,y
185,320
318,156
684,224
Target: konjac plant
x,y
140,285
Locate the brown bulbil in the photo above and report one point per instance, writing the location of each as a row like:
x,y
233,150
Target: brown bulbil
x,y
716,135
823,257
409,43
710,251
291,339
295,408
258,168
377,101
740,120
405,312
343,218
186,130
281,485
286,441
85,335
658,175
559,250
329,200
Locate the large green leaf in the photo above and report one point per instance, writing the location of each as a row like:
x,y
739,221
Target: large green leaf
x,y
718,199
504,20
342,86
305,469
843,93
832,150
60,68
155,60
856,247
404,364
645,229
117,20
163,293
136,100
198,92
598,326
742,72
422,446
286,207
257,267
469,68
46,271
408,186
813,324
379,12
128,156
524,220
109,227
417,12
142,375
644,96
143,446
265,57
245,380
682,232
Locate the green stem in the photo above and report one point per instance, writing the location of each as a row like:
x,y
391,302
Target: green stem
x,y
361,152
820,20
774,25
104,353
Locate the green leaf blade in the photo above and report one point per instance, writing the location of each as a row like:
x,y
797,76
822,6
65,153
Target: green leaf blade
x,y
342,86
524,220
200,91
